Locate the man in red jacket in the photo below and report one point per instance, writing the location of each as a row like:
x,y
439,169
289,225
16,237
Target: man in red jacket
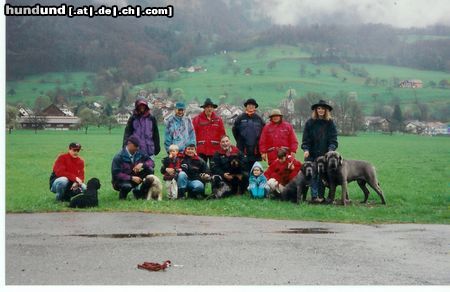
x,y
209,129
277,134
68,174
281,171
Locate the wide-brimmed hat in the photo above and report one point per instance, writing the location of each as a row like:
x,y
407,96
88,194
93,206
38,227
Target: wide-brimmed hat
x,y
251,101
322,103
75,145
208,102
275,112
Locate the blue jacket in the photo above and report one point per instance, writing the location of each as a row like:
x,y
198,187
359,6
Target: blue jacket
x,y
179,131
122,166
259,181
247,130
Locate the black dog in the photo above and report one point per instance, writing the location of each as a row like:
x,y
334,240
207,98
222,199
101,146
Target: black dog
x,y
297,189
239,182
89,198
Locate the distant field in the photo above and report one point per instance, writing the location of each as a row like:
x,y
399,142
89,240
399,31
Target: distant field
x,y
269,86
412,38
413,171
28,89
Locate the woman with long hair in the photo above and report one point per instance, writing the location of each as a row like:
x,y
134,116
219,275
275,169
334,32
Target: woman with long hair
x,y
319,137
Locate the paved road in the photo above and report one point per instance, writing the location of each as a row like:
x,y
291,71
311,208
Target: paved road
x,y
105,248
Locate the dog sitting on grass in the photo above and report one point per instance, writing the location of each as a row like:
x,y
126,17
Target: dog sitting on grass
x,y
89,198
151,188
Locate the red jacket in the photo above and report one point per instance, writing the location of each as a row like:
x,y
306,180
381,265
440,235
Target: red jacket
x,y
208,133
70,167
276,136
280,171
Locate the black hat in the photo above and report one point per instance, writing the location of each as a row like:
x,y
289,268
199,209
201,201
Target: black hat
x,y
322,103
251,101
207,102
134,140
75,145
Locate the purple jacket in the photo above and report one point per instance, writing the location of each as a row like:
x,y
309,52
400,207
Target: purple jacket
x,y
122,166
145,128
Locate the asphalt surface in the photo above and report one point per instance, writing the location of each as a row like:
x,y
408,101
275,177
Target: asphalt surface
x,y
105,248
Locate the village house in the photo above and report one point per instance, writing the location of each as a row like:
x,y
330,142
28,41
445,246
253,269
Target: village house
x,y
193,109
25,112
122,116
375,124
229,113
411,83
415,127
51,117
436,128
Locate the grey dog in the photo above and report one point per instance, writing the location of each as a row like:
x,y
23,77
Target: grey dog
x,y
341,172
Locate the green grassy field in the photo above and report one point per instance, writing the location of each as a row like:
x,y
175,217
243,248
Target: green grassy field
x,y
413,171
268,86
271,86
28,89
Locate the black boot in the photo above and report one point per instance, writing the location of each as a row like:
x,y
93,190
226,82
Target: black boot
x,y
123,194
198,195
181,194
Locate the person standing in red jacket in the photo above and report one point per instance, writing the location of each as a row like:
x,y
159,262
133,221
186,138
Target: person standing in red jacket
x,y
281,171
68,174
209,129
277,134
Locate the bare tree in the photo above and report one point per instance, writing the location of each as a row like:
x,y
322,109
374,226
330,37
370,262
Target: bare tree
x,y
37,121
111,123
11,118
87,118
348,114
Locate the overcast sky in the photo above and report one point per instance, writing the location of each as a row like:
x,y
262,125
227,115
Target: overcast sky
x,y
399,13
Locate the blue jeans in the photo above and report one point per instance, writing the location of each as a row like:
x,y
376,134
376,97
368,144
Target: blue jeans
x,y
189,185
317,187
60,186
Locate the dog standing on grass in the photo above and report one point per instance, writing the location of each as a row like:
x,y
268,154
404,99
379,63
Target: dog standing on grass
x,y
341,172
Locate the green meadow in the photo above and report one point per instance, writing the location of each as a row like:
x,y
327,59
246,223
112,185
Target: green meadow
x,y
269,86
28,89
413,172
225,77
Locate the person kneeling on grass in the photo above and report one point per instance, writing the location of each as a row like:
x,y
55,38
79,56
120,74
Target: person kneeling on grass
x,y
229,167
67,177
258,187
129,169
281,171
171,166
193,176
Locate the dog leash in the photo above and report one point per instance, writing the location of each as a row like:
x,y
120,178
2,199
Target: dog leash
x,y
154,267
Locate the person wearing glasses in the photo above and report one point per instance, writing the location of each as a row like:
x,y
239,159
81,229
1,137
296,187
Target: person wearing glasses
x,y
67,178
179,129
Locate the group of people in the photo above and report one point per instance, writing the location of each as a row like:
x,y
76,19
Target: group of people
x,y
199,151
